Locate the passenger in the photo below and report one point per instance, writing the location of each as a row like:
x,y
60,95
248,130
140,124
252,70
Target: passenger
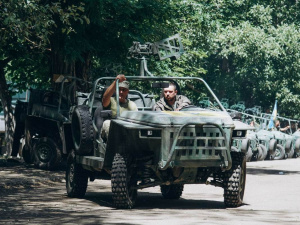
x,y
278,128
110,102
171,101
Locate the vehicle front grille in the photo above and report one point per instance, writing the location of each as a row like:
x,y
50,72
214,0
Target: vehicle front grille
x,y
200,143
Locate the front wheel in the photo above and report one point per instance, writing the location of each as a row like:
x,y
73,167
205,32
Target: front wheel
x,y
76,178
123,183
279,152
249,154
291,153
272,149
262,152
235,181
173,191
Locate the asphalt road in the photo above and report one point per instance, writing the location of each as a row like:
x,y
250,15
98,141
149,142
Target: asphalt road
x,y
31,196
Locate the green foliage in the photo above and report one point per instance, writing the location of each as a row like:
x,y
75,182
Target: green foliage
x,y
246,50
253,53
26,30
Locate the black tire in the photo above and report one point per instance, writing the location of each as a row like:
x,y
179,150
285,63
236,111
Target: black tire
x,y
76,178
235,181
288,146
262,152
82,130
249,154
245,145
291,153
272,149
279,153
46,154
123,183
297,146
28,157
173,191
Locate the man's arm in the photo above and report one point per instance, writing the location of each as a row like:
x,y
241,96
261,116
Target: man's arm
x,y
111,90
285,128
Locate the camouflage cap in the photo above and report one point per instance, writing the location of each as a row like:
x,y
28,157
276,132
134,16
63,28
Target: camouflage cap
x,y
124,84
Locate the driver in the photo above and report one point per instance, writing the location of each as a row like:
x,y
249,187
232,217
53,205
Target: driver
x,y
171,101
110,102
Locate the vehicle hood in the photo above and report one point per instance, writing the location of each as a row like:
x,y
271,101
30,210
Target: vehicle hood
x,y
178,118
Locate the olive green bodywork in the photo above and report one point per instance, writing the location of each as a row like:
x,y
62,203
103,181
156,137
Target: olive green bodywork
x,y
166,148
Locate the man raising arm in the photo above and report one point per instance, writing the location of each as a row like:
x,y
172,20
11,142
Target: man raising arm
x,y
110,102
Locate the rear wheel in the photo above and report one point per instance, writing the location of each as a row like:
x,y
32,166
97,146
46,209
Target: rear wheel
x,y
235,181
297,147
291,153
288,146
279,153
173,191
46,154
76,178
262,152
123,183
249,154
272,149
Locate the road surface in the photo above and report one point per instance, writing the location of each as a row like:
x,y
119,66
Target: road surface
x,y
32,196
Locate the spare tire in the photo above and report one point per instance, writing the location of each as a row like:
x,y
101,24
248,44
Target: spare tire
x,y
82,130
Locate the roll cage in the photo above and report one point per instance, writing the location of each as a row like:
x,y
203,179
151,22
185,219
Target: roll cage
x,y
98,82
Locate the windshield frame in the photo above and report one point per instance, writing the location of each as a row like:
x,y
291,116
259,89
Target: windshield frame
x,y
142,78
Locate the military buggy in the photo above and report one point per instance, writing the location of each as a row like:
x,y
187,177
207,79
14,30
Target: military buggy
x,y
146,148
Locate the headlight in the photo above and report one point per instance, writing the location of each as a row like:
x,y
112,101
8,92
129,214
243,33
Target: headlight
x,y
150,133
239,133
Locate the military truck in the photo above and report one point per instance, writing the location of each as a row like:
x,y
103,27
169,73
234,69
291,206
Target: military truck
x,y
148,148
45,124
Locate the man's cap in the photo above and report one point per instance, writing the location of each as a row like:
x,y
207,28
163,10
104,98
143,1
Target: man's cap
x,y
124,84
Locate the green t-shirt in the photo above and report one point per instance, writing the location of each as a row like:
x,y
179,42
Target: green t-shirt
x,y
128,106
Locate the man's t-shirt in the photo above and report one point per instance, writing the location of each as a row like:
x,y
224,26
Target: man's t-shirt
x,y
128,106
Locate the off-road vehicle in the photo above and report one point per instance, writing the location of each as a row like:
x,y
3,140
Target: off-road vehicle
x,y
44,123
147,148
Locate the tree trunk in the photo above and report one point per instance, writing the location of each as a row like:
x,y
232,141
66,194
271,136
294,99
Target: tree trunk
x,y
78,68
5,98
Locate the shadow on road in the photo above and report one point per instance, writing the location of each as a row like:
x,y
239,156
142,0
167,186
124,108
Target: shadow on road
x,y
259,171
147,200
